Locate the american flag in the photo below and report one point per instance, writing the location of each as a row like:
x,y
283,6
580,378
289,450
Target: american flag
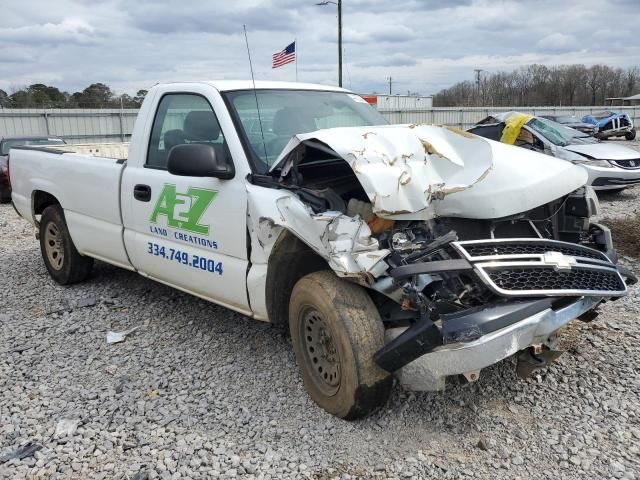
x,y
287,55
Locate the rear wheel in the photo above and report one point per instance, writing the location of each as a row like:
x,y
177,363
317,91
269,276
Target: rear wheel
x,y
64,263
630,135
335,330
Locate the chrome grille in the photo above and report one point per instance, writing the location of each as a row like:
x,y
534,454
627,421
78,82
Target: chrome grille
x,y
524,248
534,267
630,164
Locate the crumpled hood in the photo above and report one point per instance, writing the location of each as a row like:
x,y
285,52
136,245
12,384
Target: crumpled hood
x,y
604,151
424,171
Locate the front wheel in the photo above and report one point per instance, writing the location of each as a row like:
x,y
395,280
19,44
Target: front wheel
x,y
63,261
5,194
335,330
630,135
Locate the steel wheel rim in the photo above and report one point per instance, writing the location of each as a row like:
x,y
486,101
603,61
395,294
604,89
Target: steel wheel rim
x,y
320,351
53,246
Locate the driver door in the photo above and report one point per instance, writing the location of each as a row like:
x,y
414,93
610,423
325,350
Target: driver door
x,y
187,232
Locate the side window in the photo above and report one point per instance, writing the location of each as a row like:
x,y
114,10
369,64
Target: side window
x,y
538,144
183,118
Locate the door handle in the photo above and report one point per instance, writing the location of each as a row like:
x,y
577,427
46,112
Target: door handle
x,y
142,192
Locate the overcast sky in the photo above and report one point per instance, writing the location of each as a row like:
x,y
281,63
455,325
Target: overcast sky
x,y
425,45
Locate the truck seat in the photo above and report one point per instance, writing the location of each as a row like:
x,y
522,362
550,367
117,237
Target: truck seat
x,y
201,126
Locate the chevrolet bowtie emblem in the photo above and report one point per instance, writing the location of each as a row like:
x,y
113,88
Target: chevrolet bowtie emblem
x,y
559,261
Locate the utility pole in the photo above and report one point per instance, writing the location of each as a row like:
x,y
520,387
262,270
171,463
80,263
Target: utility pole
x,y
339,5
478,72
390,81
340,43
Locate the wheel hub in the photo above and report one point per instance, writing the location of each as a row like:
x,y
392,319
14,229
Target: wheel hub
x,y
53,246
320,352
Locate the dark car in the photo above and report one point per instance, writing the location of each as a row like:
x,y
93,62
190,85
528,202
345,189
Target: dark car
x,y
572,121
5,145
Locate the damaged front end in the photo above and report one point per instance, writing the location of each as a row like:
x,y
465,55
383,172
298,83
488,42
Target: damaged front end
x,y
472,250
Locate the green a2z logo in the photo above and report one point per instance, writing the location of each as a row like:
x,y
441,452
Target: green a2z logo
x,y
184,210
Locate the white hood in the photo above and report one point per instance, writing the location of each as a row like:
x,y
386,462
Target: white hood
x,y
424,171
604,151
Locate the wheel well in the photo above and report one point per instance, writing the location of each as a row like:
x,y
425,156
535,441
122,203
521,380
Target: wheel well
x,y
290,260
41,200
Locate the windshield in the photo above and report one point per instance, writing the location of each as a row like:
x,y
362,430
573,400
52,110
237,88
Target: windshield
x,y
567,119
285,113
558,134
15,142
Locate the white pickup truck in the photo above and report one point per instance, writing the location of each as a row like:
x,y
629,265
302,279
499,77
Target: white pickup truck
x,y
415,250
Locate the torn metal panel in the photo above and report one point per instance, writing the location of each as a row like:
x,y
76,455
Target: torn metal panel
x,y
345,242
352,249
418,172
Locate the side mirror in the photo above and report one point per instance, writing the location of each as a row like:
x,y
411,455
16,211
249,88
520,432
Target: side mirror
x,y
198,160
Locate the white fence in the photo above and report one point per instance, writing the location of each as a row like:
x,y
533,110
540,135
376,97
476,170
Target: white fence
x,y
116,125
75,125
467,117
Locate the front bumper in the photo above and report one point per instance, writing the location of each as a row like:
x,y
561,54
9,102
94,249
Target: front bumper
x,y
612,178
428,372
540,286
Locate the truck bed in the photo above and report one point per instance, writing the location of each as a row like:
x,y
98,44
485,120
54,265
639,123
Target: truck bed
x,y
118,151
85,179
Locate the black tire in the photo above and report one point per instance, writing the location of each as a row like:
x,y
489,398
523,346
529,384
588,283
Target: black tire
x,y
614,190
5,194
630,135
64,263
335,330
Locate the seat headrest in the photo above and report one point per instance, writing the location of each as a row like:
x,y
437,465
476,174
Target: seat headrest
x,y
173,138
201,126
291,121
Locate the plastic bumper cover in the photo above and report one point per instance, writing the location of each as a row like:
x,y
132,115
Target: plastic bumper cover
x,y
429,371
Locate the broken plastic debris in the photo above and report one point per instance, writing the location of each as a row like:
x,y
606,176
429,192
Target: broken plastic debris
x,y
66,427
117,337
86,302
23,451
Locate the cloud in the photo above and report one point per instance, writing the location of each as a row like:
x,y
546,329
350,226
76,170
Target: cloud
x,y
395,60
69,30
558,42
425,45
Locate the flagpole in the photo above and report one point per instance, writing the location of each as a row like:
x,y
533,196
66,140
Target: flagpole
x,y
295,43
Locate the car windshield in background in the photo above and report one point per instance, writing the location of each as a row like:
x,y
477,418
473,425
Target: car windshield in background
x,y
567,119
554,132
285,113
16,142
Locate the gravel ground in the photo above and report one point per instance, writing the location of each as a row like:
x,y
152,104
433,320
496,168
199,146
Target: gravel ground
x,y
200,392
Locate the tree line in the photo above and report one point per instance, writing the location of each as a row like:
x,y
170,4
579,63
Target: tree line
x,y
539,85
96,95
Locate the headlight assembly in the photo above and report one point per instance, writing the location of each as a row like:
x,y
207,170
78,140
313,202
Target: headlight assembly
x,y
599,163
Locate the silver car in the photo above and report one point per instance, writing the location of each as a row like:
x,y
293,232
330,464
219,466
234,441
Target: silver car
x,y
611,166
